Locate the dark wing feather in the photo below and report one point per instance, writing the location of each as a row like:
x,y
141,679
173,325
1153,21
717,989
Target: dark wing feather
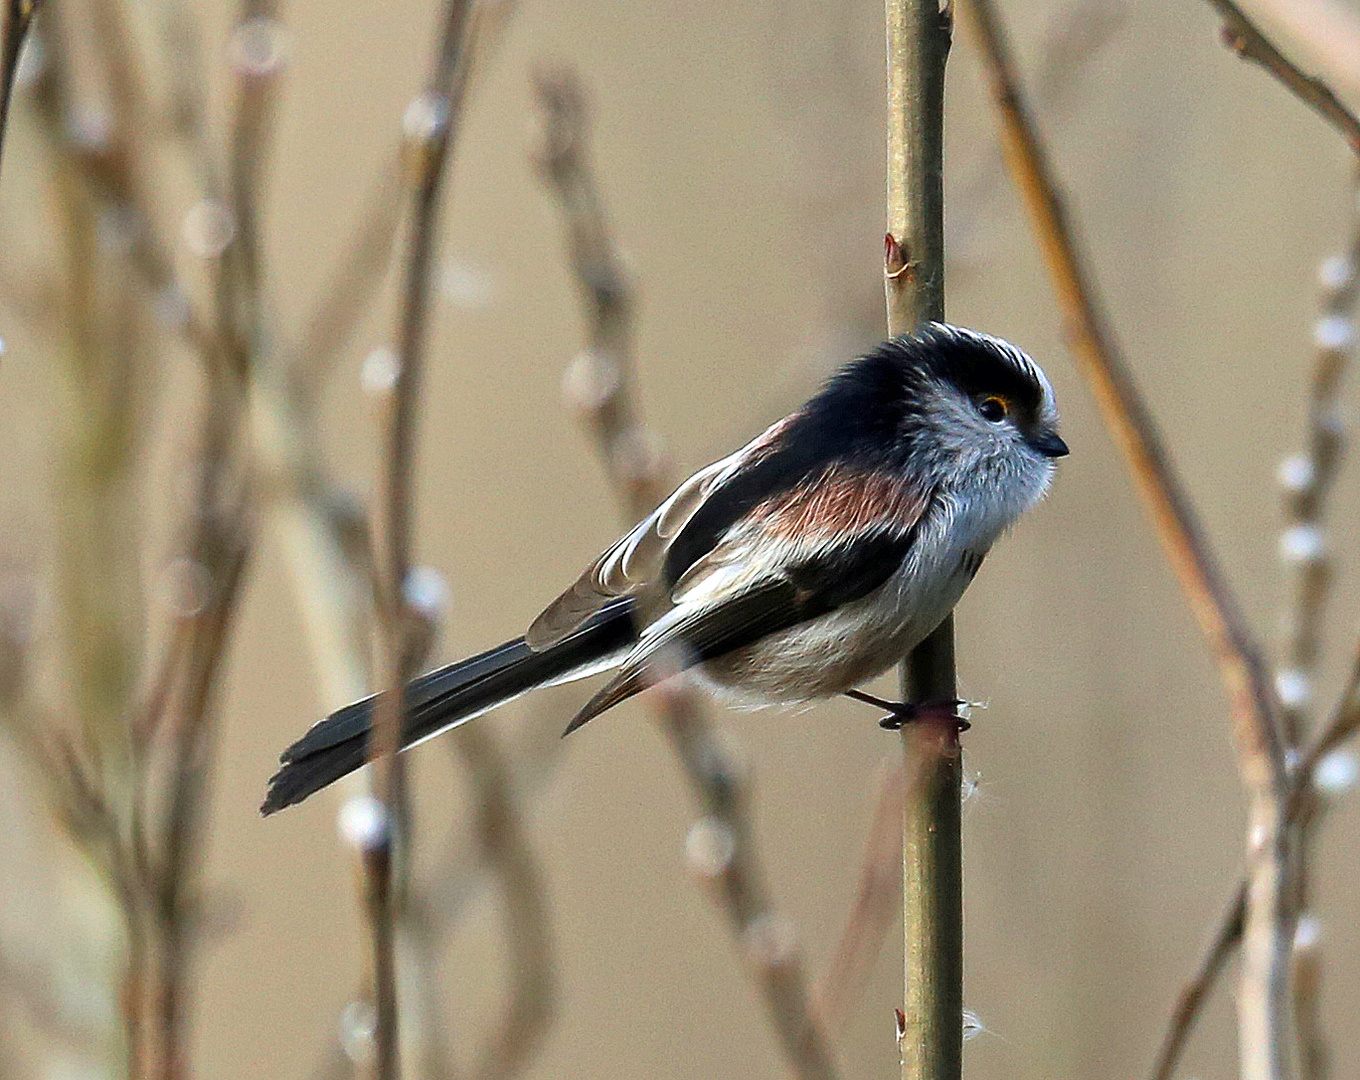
x,y
814,585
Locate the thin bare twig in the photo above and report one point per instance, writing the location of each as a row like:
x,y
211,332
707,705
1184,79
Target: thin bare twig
x,y
872,915
1195,993
15,19
931,1029
1260,750
430,123
347,296
1299,801
1242,36
598,386
533,989
1307,479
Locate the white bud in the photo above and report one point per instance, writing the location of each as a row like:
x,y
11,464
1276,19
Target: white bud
x,y
186,587
363,823
1294,687
1302,544
590,381
769,940
466,286
424,118
427,591
1335,273
1336,773
209,228
709,847
1333,333
358,1023
259,48
90,129
380,371
1297,472
1307,933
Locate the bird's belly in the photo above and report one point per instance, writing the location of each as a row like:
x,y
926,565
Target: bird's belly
x,y
829,655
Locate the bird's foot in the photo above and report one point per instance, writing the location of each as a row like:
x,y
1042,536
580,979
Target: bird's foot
x,y
901,713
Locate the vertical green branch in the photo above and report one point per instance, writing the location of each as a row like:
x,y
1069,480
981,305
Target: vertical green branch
x,y
932,903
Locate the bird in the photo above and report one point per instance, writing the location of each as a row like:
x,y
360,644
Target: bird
x,y
795,569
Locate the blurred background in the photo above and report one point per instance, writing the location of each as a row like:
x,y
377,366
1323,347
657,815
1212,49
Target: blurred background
x,y
739,147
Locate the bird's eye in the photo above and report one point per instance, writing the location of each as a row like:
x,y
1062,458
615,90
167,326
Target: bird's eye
x,y
993,409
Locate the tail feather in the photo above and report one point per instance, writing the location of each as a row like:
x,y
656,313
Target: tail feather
x,y
443,699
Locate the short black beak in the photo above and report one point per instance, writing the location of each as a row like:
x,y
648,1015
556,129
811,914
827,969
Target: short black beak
x,y
1048,444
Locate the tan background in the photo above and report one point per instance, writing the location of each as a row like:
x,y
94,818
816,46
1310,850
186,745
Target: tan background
x,y
740,148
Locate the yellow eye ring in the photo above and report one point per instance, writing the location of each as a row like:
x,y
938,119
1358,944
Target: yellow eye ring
x,y
993,408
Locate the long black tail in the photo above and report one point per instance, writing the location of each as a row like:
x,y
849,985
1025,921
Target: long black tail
x,y
443,699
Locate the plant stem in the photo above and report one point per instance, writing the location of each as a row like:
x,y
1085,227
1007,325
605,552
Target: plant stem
x,y
932,865
1267,926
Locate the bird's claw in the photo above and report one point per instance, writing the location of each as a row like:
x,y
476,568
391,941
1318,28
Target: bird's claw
x,y
935,712
901,713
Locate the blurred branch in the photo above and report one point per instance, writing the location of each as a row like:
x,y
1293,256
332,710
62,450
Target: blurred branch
x,y
873,913
347,297
103,162
1300,802
598,388
257,59
15,18
1195,993
1263,1004
1242,36
1307,479
1327,31
1075,34
429,125
1127,416
505,849
177,913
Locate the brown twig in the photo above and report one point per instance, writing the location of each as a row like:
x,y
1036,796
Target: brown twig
x,y
598,387
872,915
529,1010
1195,993
257,59
430,122
347,296
1299,801
15,19
931,1042
1242,36
1307,479
1264,986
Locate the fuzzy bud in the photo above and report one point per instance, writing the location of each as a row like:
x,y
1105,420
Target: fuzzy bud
x,y
1336,773
769,940
364,823
710,848
1300,544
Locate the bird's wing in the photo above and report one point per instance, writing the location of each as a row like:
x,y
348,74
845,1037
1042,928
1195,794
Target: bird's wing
x,y
640,558
725,612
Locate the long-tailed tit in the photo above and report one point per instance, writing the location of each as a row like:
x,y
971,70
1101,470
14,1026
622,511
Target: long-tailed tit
x,y
804,564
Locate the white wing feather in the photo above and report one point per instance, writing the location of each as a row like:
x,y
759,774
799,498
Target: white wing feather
x,y
636,560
